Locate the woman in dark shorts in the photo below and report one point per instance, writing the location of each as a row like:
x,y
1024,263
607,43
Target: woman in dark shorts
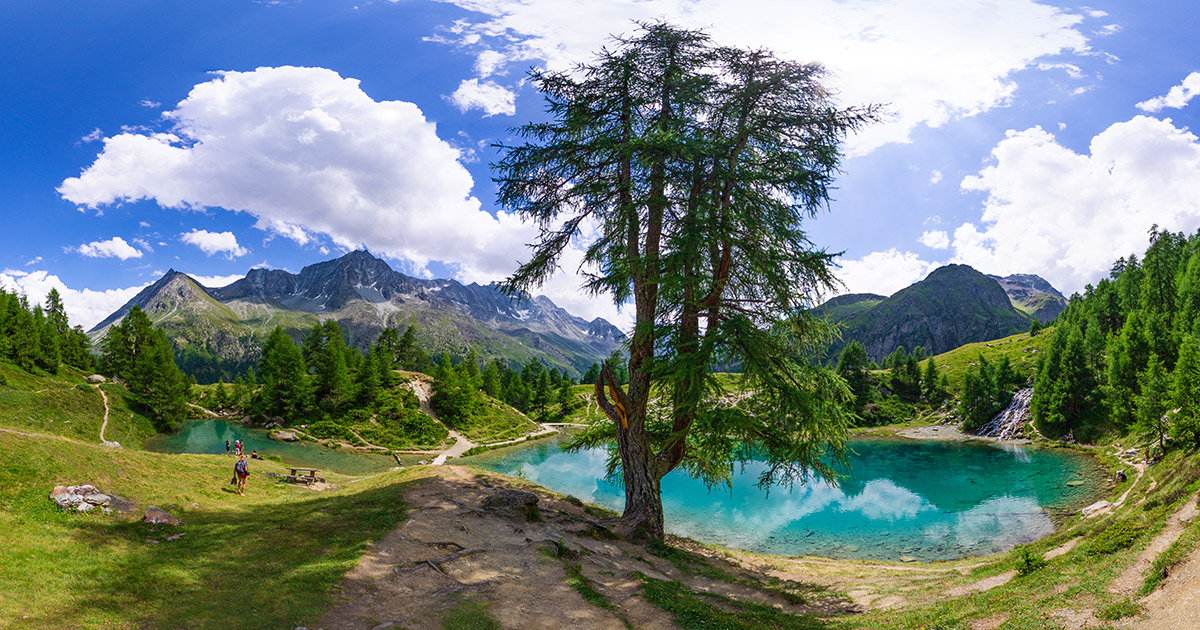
x,y
242,469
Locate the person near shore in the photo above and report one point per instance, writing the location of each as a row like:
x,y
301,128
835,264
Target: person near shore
x,y
255,455
228,448
242,470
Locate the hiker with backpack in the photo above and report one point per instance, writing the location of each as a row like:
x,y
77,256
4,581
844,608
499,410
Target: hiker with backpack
x,y
242,470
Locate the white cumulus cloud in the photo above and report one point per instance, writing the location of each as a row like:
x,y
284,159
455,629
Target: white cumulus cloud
x,y
1068,216
84,307
214,282
930,61
115,247
306,151
935,239
489,96
1176,98
884,272
215,243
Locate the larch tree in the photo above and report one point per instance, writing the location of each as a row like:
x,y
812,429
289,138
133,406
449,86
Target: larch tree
x,y
139,353
688,168
1185,393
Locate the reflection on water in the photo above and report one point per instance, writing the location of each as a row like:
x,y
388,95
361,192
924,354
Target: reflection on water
x,y
928,500
209,436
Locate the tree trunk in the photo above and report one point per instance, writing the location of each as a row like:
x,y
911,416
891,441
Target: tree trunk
x,y
643,517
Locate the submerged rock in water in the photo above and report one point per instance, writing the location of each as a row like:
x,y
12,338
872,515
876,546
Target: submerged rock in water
x,y
284,436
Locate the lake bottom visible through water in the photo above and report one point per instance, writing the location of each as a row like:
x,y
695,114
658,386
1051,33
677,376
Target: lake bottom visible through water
x,y
209,436
901,499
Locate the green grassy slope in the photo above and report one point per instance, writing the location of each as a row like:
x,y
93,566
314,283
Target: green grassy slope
x,y
66,405
1021,349
271,559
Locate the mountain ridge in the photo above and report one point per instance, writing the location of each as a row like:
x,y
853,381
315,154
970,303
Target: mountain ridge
x,y
364,295
1033,295
952,306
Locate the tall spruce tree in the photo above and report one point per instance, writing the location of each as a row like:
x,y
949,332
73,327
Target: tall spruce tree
x,y
1154,401
1185,393
698,164
285,389
138,352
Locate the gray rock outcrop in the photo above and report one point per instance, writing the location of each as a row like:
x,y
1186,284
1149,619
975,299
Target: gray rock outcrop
x,y
284,436
84,498
97,379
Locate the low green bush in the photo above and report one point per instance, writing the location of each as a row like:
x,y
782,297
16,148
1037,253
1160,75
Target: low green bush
x,y
1117,536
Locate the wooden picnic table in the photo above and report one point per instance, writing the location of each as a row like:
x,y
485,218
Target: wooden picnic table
x,y
309,475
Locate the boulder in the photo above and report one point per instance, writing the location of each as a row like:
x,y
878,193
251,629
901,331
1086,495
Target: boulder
x,y
510,500
83,498
96,379
284,436
1095,508
156,516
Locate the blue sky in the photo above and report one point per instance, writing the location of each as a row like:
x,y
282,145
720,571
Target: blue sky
x,y
211,137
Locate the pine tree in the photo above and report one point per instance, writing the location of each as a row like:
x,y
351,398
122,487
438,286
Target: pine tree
x,y
590,376
852,366
1153,401
1185,393
454,398
366,383
325,355
930,383
698,164
1128,353
1064,393
139,353
220,396
285,391
384,367
492,385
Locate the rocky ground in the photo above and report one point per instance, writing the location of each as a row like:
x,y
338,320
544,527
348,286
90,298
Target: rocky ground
x,y
529,573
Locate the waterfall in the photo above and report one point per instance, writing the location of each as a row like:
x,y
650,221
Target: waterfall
x,y
1007,424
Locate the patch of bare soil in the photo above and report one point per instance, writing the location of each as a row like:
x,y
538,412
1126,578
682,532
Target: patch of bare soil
x,y
1075,619
986,584
991,623
1062,549
1176,604
451,548
1133,576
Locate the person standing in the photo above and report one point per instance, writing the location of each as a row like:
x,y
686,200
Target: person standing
x,y
227,447
242,470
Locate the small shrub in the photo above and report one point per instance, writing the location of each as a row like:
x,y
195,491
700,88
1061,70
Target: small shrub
x,y
1029,563
83,387
1118,610
1117,536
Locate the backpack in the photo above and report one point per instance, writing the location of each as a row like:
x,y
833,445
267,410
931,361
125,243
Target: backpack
x,y
240,467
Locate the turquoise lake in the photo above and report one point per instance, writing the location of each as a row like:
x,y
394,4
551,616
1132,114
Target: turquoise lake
x,y
929,500
208,437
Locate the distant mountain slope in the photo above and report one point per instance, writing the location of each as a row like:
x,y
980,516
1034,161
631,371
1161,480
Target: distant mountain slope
x,y
844,307
1033,295
953,306
364,295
